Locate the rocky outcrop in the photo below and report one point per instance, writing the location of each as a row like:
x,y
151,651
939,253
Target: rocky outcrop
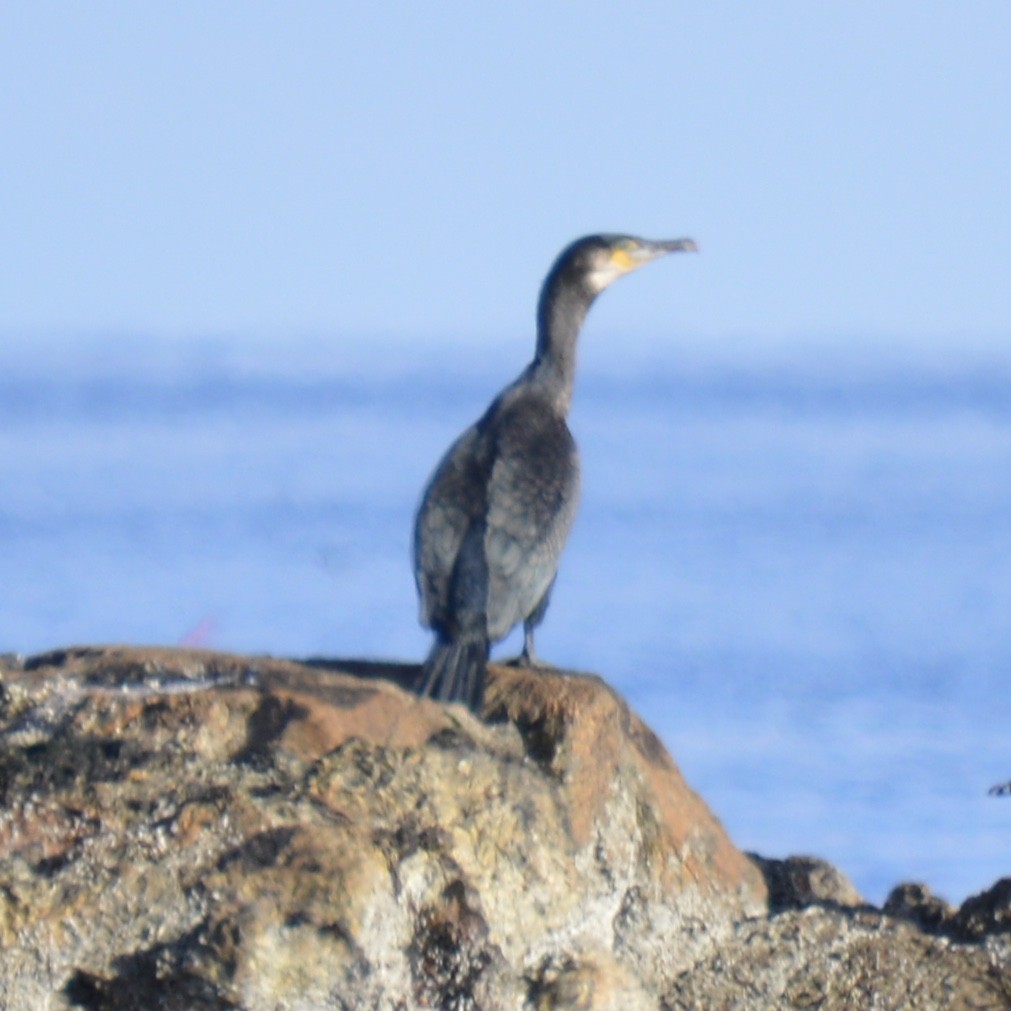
x,y
837,959
253,833
799,882
192,830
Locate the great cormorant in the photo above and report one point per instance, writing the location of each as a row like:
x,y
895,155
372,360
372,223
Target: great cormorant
x,y
496,512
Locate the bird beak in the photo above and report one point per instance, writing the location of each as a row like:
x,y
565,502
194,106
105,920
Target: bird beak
x,y
673,246
633,254
645,250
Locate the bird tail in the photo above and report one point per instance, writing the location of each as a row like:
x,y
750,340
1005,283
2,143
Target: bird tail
x,y
455,672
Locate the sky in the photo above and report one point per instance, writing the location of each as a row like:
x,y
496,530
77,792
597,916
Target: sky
x,y
408,171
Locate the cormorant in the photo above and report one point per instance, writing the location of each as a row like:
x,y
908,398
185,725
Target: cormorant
x,y
496,512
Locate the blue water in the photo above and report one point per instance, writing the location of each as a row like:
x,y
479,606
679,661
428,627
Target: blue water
x,y
798,568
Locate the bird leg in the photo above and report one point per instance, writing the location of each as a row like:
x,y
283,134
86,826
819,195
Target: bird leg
x,y
528,658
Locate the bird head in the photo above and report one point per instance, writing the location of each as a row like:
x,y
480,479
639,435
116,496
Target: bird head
x,y
598,260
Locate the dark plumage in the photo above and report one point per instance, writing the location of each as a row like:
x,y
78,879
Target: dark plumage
x,y
496,512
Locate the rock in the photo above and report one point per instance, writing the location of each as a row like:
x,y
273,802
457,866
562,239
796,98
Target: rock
x,y
799,882
986,914
915,902
185,829
192,830
837,959
829,949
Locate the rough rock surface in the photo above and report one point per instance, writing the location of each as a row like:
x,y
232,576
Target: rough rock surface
x,y
798,882
235,832
836,959
191,830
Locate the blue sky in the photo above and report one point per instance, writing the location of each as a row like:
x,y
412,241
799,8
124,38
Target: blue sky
x,y
373,170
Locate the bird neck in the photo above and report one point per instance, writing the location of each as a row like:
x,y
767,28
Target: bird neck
x,y
560,317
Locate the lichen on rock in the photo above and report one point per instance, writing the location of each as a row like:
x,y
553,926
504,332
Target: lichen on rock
x,y
187,829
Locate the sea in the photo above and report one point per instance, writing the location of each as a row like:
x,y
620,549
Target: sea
x,y
795,565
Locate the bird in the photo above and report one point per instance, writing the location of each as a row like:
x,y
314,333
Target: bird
x,y
497,510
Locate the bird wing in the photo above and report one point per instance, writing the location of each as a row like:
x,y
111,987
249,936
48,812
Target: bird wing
x,y
533,491
453,501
